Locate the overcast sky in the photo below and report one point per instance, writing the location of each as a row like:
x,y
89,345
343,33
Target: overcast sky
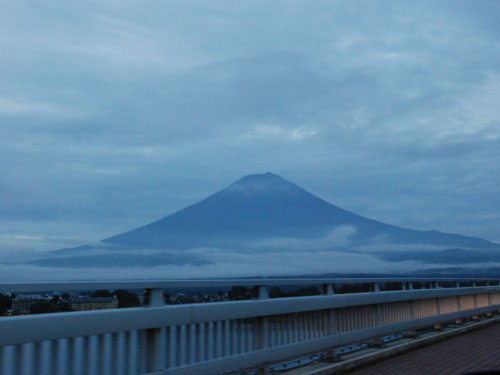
x,y
114,114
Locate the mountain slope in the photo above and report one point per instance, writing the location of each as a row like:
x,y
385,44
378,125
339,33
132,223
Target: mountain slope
x,y
267,206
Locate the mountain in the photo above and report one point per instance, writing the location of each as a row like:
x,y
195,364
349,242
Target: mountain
x,y
264,206
264,212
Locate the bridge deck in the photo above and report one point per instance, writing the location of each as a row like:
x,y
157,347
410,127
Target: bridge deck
x,y
478,350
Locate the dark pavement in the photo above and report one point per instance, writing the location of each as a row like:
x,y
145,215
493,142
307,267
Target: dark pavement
x,y
478,350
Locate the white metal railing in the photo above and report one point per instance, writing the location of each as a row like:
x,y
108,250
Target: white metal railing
x,y
219,337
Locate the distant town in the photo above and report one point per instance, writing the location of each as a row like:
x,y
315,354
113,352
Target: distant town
x,y
11,304
26,304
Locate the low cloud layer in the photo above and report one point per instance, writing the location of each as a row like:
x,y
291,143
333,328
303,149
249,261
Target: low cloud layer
x,y
222,263
336,238
334,253
107,264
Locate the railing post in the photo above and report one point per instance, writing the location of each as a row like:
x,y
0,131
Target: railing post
x,y
328,289
262,292
154,297
332,330
376,287
410,285
332,321
262,329
156,337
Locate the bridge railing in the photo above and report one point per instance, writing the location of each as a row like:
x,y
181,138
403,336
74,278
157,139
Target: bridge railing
x,y
222,337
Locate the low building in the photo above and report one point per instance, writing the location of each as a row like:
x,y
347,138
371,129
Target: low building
x,y
22,304
81,303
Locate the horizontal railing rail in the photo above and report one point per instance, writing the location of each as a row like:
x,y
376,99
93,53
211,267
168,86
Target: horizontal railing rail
x,y
31,328
230,336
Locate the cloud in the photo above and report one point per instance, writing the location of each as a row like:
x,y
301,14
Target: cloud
x,y
380,247
339,237
279,132
222,263
16,107
21,237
